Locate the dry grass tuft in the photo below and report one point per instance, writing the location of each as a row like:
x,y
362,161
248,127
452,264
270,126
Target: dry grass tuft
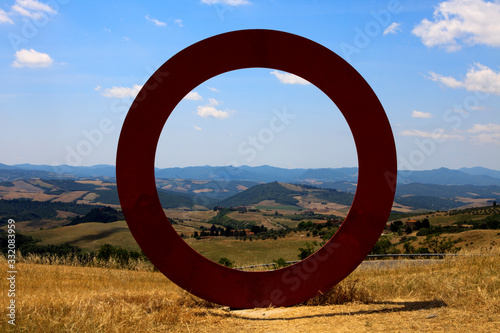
x,y
345,292
190,301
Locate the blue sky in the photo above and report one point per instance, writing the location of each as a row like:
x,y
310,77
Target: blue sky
x,y
70,69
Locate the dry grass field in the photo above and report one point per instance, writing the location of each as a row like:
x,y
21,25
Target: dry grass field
x,y
460,294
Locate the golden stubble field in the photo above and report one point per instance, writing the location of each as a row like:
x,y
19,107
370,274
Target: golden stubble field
x,y
461,294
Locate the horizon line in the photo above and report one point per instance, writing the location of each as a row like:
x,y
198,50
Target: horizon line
x,y
244,165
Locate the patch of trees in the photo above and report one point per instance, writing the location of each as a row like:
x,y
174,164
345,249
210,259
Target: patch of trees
x,y
107,252
307,215
257,232
400,227
29,210
384,246
109,197
102,214
324,230
491,222
433,244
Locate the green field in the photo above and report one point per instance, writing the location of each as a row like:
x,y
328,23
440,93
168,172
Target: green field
x,y
90,236
248,252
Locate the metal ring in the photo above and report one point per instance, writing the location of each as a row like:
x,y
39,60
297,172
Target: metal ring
x,y
250,49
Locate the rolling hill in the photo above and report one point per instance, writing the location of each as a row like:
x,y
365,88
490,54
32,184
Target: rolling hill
x,y
270,191
287,194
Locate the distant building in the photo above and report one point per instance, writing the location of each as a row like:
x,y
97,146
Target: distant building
x,y
412,224
248,232
321,222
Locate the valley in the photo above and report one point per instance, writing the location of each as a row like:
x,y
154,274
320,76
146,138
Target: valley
x,y
265,221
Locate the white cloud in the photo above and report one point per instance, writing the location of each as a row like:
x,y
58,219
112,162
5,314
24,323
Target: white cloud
x,y
393,28
478,78
4,18
155,21
35,5
489,133
491,128
121,92
207,111
179,22
197,128
288,78
437,134
226,2
213,89
420,114
97,88
32,8
478,108
486,138
213,101
461,22
193,96
31,58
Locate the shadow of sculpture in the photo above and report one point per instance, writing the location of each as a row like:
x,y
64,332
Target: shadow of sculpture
x,y
400,307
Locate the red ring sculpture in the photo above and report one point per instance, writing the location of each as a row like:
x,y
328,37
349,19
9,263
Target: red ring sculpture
x,y
249,49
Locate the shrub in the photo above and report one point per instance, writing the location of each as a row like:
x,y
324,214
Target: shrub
x,y
226,262
307,250
280,262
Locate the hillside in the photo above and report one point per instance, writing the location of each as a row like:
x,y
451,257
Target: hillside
x,y
27,210
450,191
271,191
287,194
205,189
428,202
82,192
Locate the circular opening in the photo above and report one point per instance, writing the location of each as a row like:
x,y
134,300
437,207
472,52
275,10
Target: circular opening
x,y
256,166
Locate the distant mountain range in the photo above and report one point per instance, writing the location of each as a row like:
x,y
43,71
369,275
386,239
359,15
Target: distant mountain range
x,y
476,176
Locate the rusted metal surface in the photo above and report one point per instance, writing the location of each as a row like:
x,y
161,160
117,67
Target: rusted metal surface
x,y
251,49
